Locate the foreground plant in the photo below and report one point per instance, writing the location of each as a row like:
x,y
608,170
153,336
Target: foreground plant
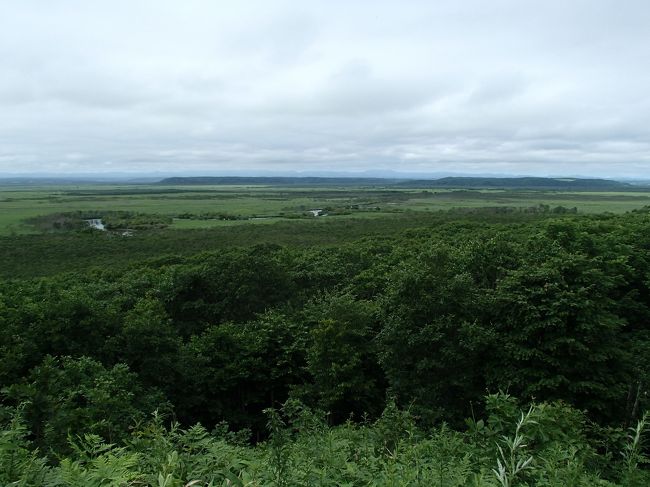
x,y
634,457
513,460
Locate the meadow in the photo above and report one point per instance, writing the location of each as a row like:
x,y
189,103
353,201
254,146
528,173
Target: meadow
x,y
42,227
268,204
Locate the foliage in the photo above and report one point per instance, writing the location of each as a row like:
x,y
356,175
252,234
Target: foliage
x,y
302,450
65,395
353,364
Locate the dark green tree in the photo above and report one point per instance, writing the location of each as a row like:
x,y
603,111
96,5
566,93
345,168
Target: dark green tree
x,y
342,356
66,395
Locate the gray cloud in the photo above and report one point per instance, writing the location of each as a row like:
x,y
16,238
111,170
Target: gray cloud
x,y
509,86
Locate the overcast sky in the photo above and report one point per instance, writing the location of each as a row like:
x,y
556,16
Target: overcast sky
x,y
466,86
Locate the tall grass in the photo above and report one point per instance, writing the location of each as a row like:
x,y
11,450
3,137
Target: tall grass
x,y
302,450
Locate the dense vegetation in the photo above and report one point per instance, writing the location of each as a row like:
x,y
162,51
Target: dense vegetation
x,y
51,253
361,363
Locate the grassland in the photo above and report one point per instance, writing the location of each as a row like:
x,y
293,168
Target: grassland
x,y
264,204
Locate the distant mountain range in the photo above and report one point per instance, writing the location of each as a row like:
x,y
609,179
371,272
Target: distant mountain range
x,y
280,181
518,183
447,182
400,181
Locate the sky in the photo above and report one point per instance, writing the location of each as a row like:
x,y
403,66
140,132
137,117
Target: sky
x,y
513,87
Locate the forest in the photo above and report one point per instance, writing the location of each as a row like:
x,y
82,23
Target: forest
x,y
484,349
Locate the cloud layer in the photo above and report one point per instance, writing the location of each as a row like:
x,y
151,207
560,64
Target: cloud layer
x,y
517,87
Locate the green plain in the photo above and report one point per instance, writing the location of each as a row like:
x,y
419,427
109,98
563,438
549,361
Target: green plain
x,y
269,204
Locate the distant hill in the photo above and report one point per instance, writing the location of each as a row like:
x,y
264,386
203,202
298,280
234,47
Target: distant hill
x,y
277,181
46,181
571,184
63,180
518,183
